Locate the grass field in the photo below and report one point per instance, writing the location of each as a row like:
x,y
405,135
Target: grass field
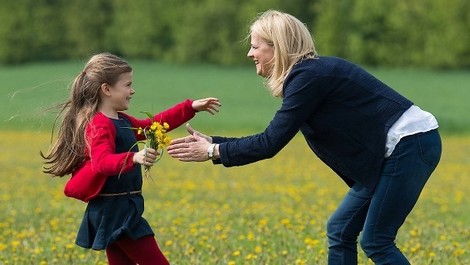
x,y
271,212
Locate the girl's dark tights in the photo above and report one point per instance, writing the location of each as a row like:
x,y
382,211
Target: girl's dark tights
x,y
142,251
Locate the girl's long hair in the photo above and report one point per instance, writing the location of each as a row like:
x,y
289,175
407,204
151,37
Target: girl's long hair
x,y
69,149
291,41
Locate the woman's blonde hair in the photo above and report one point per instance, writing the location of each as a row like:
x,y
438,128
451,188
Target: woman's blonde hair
x,y
69,149
291,41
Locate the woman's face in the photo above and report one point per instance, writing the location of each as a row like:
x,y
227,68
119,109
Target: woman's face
x,y
262,54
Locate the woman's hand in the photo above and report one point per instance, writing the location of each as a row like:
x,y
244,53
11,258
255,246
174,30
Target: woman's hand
x,y
190,148
210,105
146,156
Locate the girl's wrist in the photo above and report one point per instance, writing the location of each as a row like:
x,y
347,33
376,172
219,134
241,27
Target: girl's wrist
x,y
193,107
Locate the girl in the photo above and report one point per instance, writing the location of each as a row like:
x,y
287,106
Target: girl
x,y
95,133
381,144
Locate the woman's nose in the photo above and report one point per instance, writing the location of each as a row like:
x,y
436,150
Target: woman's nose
x,y
249,54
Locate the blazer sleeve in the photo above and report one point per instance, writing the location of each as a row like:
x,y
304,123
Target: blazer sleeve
x,y
299,102
174,116
101,136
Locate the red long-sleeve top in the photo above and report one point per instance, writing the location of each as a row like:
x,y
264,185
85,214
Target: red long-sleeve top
x,y
102,159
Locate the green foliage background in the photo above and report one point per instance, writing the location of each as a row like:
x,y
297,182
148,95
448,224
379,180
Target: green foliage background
x,y
421,33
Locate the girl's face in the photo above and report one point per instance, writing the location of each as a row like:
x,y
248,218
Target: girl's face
x,y
262,54
121,92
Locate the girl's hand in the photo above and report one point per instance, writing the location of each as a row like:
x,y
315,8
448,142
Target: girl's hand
x,y
210,105
145,157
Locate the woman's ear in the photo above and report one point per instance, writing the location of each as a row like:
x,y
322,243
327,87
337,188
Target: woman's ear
x,y
105,89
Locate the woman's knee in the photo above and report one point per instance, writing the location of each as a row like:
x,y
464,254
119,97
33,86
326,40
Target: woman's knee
x,y
333,230
372,245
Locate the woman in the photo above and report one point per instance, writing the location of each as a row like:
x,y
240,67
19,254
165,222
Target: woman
x,y
382,145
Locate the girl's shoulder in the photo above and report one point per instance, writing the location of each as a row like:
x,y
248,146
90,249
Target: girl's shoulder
x,y
100,119
100,122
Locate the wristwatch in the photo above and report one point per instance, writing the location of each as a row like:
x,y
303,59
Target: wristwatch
x,y
210,151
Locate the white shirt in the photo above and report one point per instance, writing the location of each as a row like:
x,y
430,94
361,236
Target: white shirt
x,y
414,120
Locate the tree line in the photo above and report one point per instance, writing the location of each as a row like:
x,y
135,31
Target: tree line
x,y
419,33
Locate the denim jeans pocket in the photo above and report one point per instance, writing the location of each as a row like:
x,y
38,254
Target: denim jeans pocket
x,y
430,147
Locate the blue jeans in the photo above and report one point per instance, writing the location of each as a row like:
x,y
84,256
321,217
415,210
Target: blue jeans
x,y
379,214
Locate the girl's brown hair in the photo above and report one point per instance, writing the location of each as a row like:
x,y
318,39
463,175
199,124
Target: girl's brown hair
x,y
69,149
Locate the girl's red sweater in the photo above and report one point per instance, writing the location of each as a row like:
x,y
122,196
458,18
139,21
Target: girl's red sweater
x,y
102,160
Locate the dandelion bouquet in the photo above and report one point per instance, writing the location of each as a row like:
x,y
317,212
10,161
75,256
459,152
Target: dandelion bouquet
x,y
155,137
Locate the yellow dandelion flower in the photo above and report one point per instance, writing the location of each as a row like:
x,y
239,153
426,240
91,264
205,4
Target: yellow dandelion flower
x,y
258,249
37,250
153,127
458,252
15,243
3,247
250,236
414,232
155,137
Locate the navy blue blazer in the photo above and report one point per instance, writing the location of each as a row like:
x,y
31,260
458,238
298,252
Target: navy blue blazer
x,y
343,112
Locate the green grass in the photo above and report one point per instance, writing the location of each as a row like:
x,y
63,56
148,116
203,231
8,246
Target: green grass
x,y
247,106
270,212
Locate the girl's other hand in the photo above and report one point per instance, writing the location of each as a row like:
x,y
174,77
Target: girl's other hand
x,y
146,156
210,105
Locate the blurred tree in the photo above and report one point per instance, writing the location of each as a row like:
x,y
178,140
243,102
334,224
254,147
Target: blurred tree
x,y
424,33
31,30
142,28
332,25
86,25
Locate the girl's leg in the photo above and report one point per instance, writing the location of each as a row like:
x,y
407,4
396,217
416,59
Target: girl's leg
x,y
143,251
404,175
117,257
345,224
